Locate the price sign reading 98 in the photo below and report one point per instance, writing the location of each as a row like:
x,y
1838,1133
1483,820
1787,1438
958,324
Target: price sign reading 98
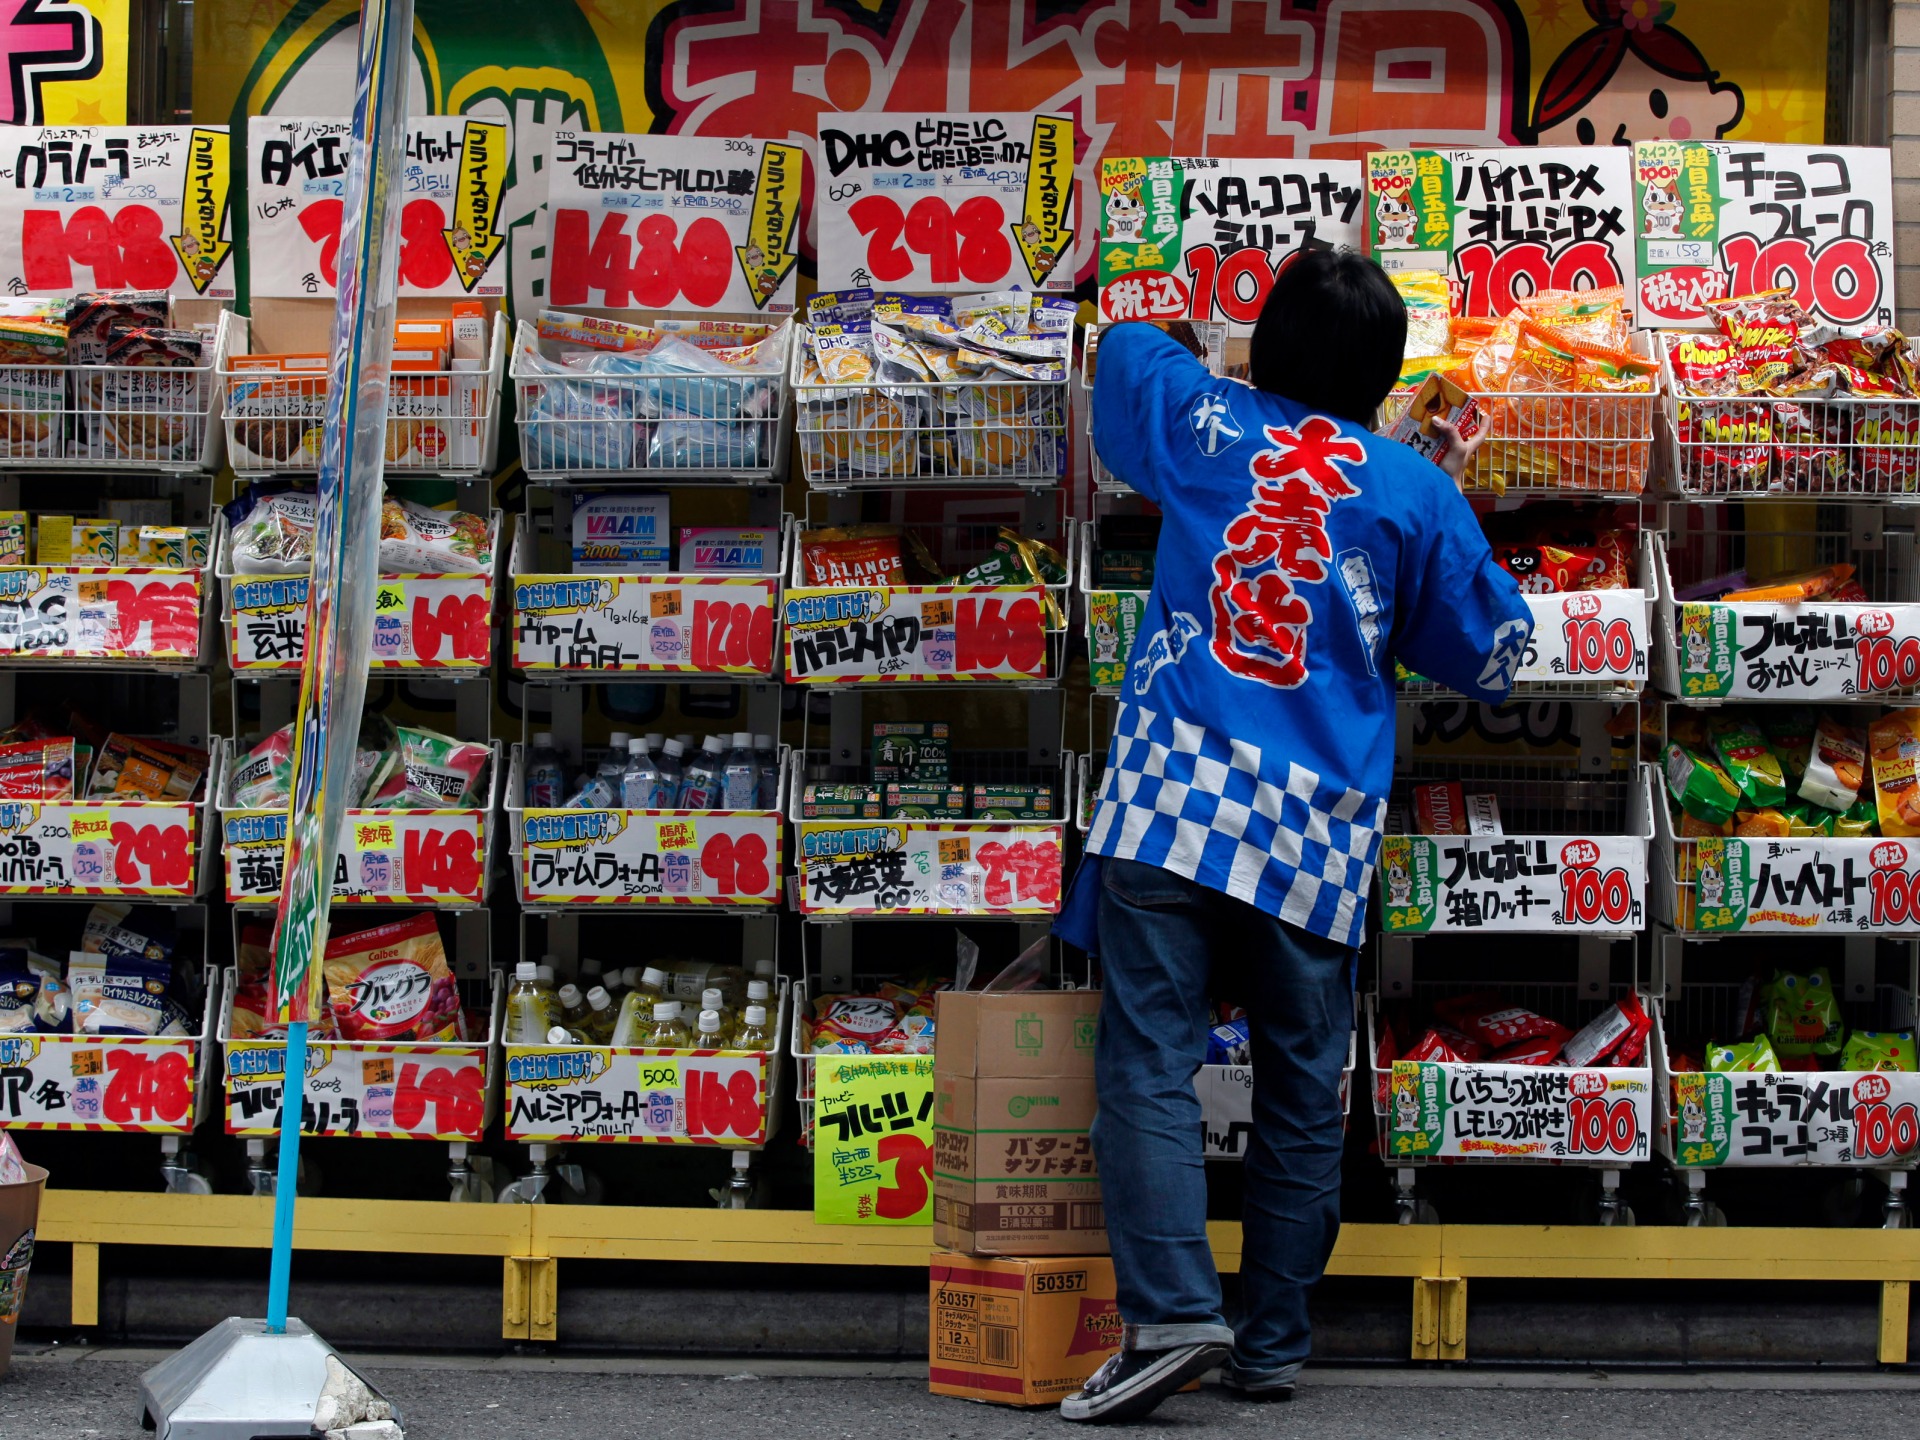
x,y
452,183
947,203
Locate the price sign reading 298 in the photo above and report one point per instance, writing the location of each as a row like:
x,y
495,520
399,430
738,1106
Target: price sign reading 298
x,y
947,203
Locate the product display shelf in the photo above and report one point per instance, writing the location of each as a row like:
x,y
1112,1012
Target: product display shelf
x,y
440,623
1857,1124
442,423
1818,649
145,418
988,433
1210,336
571,625
1112,616
1012,635
1743,447
663,429
444,1090
723,860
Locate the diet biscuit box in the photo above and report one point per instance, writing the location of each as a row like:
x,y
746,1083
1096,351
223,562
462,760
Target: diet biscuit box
x,y
1014,1101
1018,1331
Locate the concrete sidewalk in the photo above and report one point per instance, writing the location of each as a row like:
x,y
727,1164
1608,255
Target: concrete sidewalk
x,y
82,1394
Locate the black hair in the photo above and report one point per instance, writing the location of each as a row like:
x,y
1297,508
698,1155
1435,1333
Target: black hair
x,y
1331,334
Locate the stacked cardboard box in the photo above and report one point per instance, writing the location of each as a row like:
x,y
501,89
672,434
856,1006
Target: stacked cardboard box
x,y
1021,1296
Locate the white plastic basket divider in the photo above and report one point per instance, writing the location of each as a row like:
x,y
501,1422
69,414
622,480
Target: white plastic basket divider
x,y
1212,335
1226,1102
942,634
110,617
937,869
664,428
372,1089
1559,442
440,859
109,846
640,1095
1822,1118
1797,885
581,625
1112,614
1482,1112
707,861
439,422
994,432
135,1084
441,623
115,417
1572,860
1766,447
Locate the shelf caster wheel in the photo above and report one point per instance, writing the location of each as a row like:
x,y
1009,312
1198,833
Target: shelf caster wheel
x,y
739,1193
1410,1211
578,1186
470,1179
1617,1215
1705,1215
1893,1214
181,1171
531,1188
1842,1203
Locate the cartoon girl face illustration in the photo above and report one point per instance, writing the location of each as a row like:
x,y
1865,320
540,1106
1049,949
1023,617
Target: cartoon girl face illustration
x,y
1662,209
1125,215
1633,77
1397,223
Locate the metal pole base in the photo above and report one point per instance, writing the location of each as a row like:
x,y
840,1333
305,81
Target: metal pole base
x,y
239,1381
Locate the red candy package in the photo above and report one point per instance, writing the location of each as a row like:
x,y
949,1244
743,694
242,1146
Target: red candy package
x,y
1431,1047
1529,1052
1498,1025
1617,1035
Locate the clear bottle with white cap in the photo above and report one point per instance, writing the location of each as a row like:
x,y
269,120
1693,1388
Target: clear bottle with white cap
x,y
667,1031
640,779
753,1032
700,790
528,1018
767,756
614,764
636,1006
546,774
666,790
712,1032
740,779
601,1016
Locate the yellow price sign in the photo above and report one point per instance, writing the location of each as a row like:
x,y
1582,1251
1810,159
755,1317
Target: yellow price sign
x,y
374,835
658,1074
676,834
390,598
95,826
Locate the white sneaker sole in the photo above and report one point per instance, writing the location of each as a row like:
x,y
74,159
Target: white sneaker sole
x,y
1149,1387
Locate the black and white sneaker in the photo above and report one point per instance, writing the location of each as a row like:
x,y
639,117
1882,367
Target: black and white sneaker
x,y
1133,1382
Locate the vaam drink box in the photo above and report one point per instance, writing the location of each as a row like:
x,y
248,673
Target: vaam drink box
x,y
1013,1168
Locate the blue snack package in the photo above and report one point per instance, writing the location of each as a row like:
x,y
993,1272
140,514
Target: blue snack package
x,y
1228,1044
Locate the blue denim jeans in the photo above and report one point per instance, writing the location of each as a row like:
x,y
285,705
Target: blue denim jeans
x,y
1165,943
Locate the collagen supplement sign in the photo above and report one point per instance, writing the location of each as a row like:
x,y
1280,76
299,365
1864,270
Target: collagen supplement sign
x,y
956,869
1823,1118
452,182
1518,1112
946,204
1504,224
116,207
673,222
1721,219
1202,238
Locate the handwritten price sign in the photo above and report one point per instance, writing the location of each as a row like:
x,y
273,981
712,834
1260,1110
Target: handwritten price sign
x,y
100,614
711,625
916,633
931,868
946,203
368,1090
116,207
454,178
662,1097
398,857
420,622
68,1082
672,222
101,848
650,857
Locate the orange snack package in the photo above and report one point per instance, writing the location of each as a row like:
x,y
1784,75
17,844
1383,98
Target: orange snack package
x,y
1807,585
1894,743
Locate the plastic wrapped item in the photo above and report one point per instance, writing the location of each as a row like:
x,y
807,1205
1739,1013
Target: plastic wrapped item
x,y
850,556
853,1024
37,770
435,772
417,541
1836,765
132,996
392,983
272,533
262,779
1755,1055
1749,760
1497,1025
1890,1050
1802,1014
1894,744
1699,785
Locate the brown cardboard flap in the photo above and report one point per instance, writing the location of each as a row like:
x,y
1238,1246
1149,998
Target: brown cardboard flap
x,y
1018,1034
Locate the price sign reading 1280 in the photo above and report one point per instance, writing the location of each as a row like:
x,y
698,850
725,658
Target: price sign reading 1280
x,y
947,203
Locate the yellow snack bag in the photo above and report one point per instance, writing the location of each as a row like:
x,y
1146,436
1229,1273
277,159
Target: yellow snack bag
x,y
1894,743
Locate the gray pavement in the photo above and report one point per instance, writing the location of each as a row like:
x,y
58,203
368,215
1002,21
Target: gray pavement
x,y
80,1394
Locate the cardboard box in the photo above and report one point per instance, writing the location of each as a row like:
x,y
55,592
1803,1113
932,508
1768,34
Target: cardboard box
x,y
926,802
1013,1166
1438,398
840,802
621,533
910,750
728,550
1019,1331
1011,802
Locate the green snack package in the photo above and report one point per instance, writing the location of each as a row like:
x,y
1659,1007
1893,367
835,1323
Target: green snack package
x,y
1805,820
1878,1050
1790,732
1861,819
1700,786
1750,1055
1802,1014
1749,760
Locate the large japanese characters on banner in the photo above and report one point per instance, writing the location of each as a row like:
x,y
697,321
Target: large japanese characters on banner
x,y
873,1140
1512,882
660,857
86,1082
401,857
650,1096
930,868
1830,1118
1237,79
946,203
1761,651
1202,237
116,207
1714,220
1504,224
669,222
400,1092
710,624
1518,1112
916,632
450,192
1793,886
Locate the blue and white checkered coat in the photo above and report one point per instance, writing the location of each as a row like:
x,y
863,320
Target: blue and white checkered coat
x,y
1299,558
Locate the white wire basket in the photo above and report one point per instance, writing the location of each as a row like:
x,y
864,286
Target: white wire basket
x,y
115,417
654,427
986,432
439,422
1212,337
1725,447
1555,442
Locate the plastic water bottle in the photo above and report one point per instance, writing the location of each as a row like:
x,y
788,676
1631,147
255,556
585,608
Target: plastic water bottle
x,y
741,779
753,1033
600,1017
636,1006
546,775
666,789
615,764
573,1006
767,756
528,1018
640,779
701,789
712,1030
595,794
667,1032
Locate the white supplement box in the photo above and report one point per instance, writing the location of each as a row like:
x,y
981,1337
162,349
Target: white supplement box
x,y
621,534
728,550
